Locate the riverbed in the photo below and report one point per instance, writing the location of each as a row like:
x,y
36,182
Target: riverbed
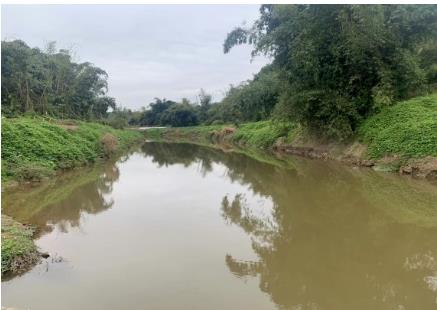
x,y
181,226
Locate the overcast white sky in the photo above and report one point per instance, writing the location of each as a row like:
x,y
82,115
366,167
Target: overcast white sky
x,y
148,51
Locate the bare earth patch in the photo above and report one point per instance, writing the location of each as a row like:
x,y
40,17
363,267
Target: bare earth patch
x,y
421,168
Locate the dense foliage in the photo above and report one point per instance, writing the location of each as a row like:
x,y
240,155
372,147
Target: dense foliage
x,y
165,112
50,83
252,100
342,63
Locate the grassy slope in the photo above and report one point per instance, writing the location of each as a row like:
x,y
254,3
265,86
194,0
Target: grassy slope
x,y
18,250
34,148
407,129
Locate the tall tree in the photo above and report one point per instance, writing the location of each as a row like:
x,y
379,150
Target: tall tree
x,y
341,63
50,83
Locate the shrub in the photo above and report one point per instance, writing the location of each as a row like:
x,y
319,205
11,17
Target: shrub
x,y
32,171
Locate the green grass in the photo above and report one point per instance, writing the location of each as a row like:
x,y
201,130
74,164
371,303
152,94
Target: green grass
x,y
33,148
408,129
18,250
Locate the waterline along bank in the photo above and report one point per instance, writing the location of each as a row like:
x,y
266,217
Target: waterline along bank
x,y
407,145
36,149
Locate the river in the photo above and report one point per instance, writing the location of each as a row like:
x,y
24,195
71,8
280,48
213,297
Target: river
x,y
179,226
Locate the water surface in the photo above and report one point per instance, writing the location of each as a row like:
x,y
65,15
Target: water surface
x,y
178,226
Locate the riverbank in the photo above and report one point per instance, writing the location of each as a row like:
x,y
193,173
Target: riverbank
x,y
400,138
35,149
18,250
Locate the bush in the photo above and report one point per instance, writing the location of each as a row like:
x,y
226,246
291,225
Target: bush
x,y
323,113
32,171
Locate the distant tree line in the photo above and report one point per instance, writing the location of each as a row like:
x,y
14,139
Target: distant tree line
x,y
252,100
163,112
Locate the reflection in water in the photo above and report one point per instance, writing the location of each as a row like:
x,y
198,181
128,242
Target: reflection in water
x,y
61,202
214,229
336,238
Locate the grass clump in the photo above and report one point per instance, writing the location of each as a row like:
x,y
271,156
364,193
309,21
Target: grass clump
x,y
408,129
33,148
18,250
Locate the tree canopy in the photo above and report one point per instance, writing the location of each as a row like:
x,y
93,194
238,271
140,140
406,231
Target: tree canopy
x,y
50,83
341,63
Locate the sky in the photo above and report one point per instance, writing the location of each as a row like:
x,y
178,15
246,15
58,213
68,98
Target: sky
x,y
148,51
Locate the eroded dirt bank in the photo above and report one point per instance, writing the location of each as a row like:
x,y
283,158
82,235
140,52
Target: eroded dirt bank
x,y
353,153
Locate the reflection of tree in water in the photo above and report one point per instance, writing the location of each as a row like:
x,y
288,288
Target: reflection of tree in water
x,y
339,238
346,266
178,153
90,198
62,201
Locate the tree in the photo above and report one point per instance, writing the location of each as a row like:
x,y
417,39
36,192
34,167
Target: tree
x,y
252,100
341,63
153,116
205,101
50,83
180,115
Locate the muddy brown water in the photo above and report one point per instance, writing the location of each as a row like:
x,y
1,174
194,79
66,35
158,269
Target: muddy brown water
x,y
179,226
